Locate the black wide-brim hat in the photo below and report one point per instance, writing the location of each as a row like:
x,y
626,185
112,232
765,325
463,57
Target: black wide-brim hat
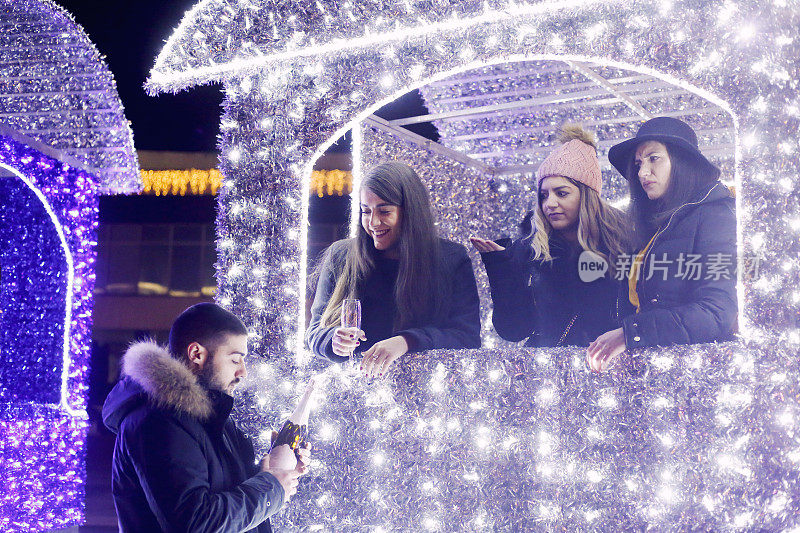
x,y
667,130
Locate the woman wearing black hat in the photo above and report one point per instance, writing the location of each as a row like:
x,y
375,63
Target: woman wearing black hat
x,y
682,283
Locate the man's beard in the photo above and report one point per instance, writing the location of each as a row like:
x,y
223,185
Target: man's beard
x,y
212,381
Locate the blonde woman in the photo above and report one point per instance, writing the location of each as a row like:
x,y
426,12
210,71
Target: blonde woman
x,y
537,290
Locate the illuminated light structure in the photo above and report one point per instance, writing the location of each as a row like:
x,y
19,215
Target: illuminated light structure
x,y
510,439
63,141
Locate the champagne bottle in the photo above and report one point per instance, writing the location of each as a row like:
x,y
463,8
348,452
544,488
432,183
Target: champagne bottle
x,y
294,430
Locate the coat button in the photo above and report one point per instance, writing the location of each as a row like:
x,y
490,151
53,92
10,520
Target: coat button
x,y
635,325
654,300
637,339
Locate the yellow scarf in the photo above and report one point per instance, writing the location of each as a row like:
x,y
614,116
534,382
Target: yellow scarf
x,y
633,276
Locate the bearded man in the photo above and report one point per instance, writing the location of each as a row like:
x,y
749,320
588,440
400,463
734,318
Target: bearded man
x,y
180,463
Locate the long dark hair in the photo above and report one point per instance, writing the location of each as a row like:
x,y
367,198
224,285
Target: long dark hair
x,y
417,290
690,179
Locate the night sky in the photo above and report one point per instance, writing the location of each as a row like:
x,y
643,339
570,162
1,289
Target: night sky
x,y
130,34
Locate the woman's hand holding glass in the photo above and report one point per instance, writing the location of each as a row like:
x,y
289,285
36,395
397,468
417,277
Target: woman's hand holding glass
x,y
485,246
346,340
379,358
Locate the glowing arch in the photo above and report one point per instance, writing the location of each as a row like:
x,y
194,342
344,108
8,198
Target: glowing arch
x,y
66,349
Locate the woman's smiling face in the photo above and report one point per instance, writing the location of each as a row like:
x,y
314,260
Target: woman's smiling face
x,y
381,220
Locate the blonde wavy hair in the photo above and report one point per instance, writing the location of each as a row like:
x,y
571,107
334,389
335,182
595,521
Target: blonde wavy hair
x,y
602,228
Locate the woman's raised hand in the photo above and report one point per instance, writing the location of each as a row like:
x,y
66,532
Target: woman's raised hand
x,y
346,340
380,357
605,349
485,246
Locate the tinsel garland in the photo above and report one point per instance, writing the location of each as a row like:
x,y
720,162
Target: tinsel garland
x,y
695,437
33,298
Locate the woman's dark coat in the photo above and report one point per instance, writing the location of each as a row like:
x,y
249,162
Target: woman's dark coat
x,y
676,309
180,464
457,325
537,299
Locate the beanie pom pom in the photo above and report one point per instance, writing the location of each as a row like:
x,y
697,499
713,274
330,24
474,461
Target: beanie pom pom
x,y
570,132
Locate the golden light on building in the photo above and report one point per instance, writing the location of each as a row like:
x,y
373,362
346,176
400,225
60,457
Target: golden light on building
x,y
181,182
331,182
196,182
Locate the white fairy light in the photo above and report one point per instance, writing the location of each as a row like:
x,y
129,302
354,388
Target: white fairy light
x,y
387,80
750,140
431,524
786,419
594,32
607,400
594,476
746,33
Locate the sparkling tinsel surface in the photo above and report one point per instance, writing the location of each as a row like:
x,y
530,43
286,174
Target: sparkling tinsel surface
x,y
697,437
686,437
33,298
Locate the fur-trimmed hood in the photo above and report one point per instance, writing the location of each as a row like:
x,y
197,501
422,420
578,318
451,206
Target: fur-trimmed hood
x,y
151,375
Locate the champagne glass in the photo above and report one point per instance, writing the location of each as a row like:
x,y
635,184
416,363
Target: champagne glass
x,y
351,314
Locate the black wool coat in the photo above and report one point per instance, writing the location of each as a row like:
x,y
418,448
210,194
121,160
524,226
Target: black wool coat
x,y
676,308
456,326
538,300
180,464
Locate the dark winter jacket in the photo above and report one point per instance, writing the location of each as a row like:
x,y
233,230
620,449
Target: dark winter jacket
x,y
676,309
539,299
180,464
457,326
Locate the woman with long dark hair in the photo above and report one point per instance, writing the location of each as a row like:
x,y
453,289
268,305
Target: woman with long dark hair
x,y
682,283
417,291
538,290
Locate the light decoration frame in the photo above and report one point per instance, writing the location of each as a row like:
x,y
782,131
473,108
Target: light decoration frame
x,y
294,85
52,436
64,135
66,360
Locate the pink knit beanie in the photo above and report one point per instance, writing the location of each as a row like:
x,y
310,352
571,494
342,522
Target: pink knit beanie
x,y
576,159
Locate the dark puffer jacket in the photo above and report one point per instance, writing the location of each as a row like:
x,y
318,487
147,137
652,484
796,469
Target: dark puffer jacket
x,y
675,310
457,325
180,464
538,299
